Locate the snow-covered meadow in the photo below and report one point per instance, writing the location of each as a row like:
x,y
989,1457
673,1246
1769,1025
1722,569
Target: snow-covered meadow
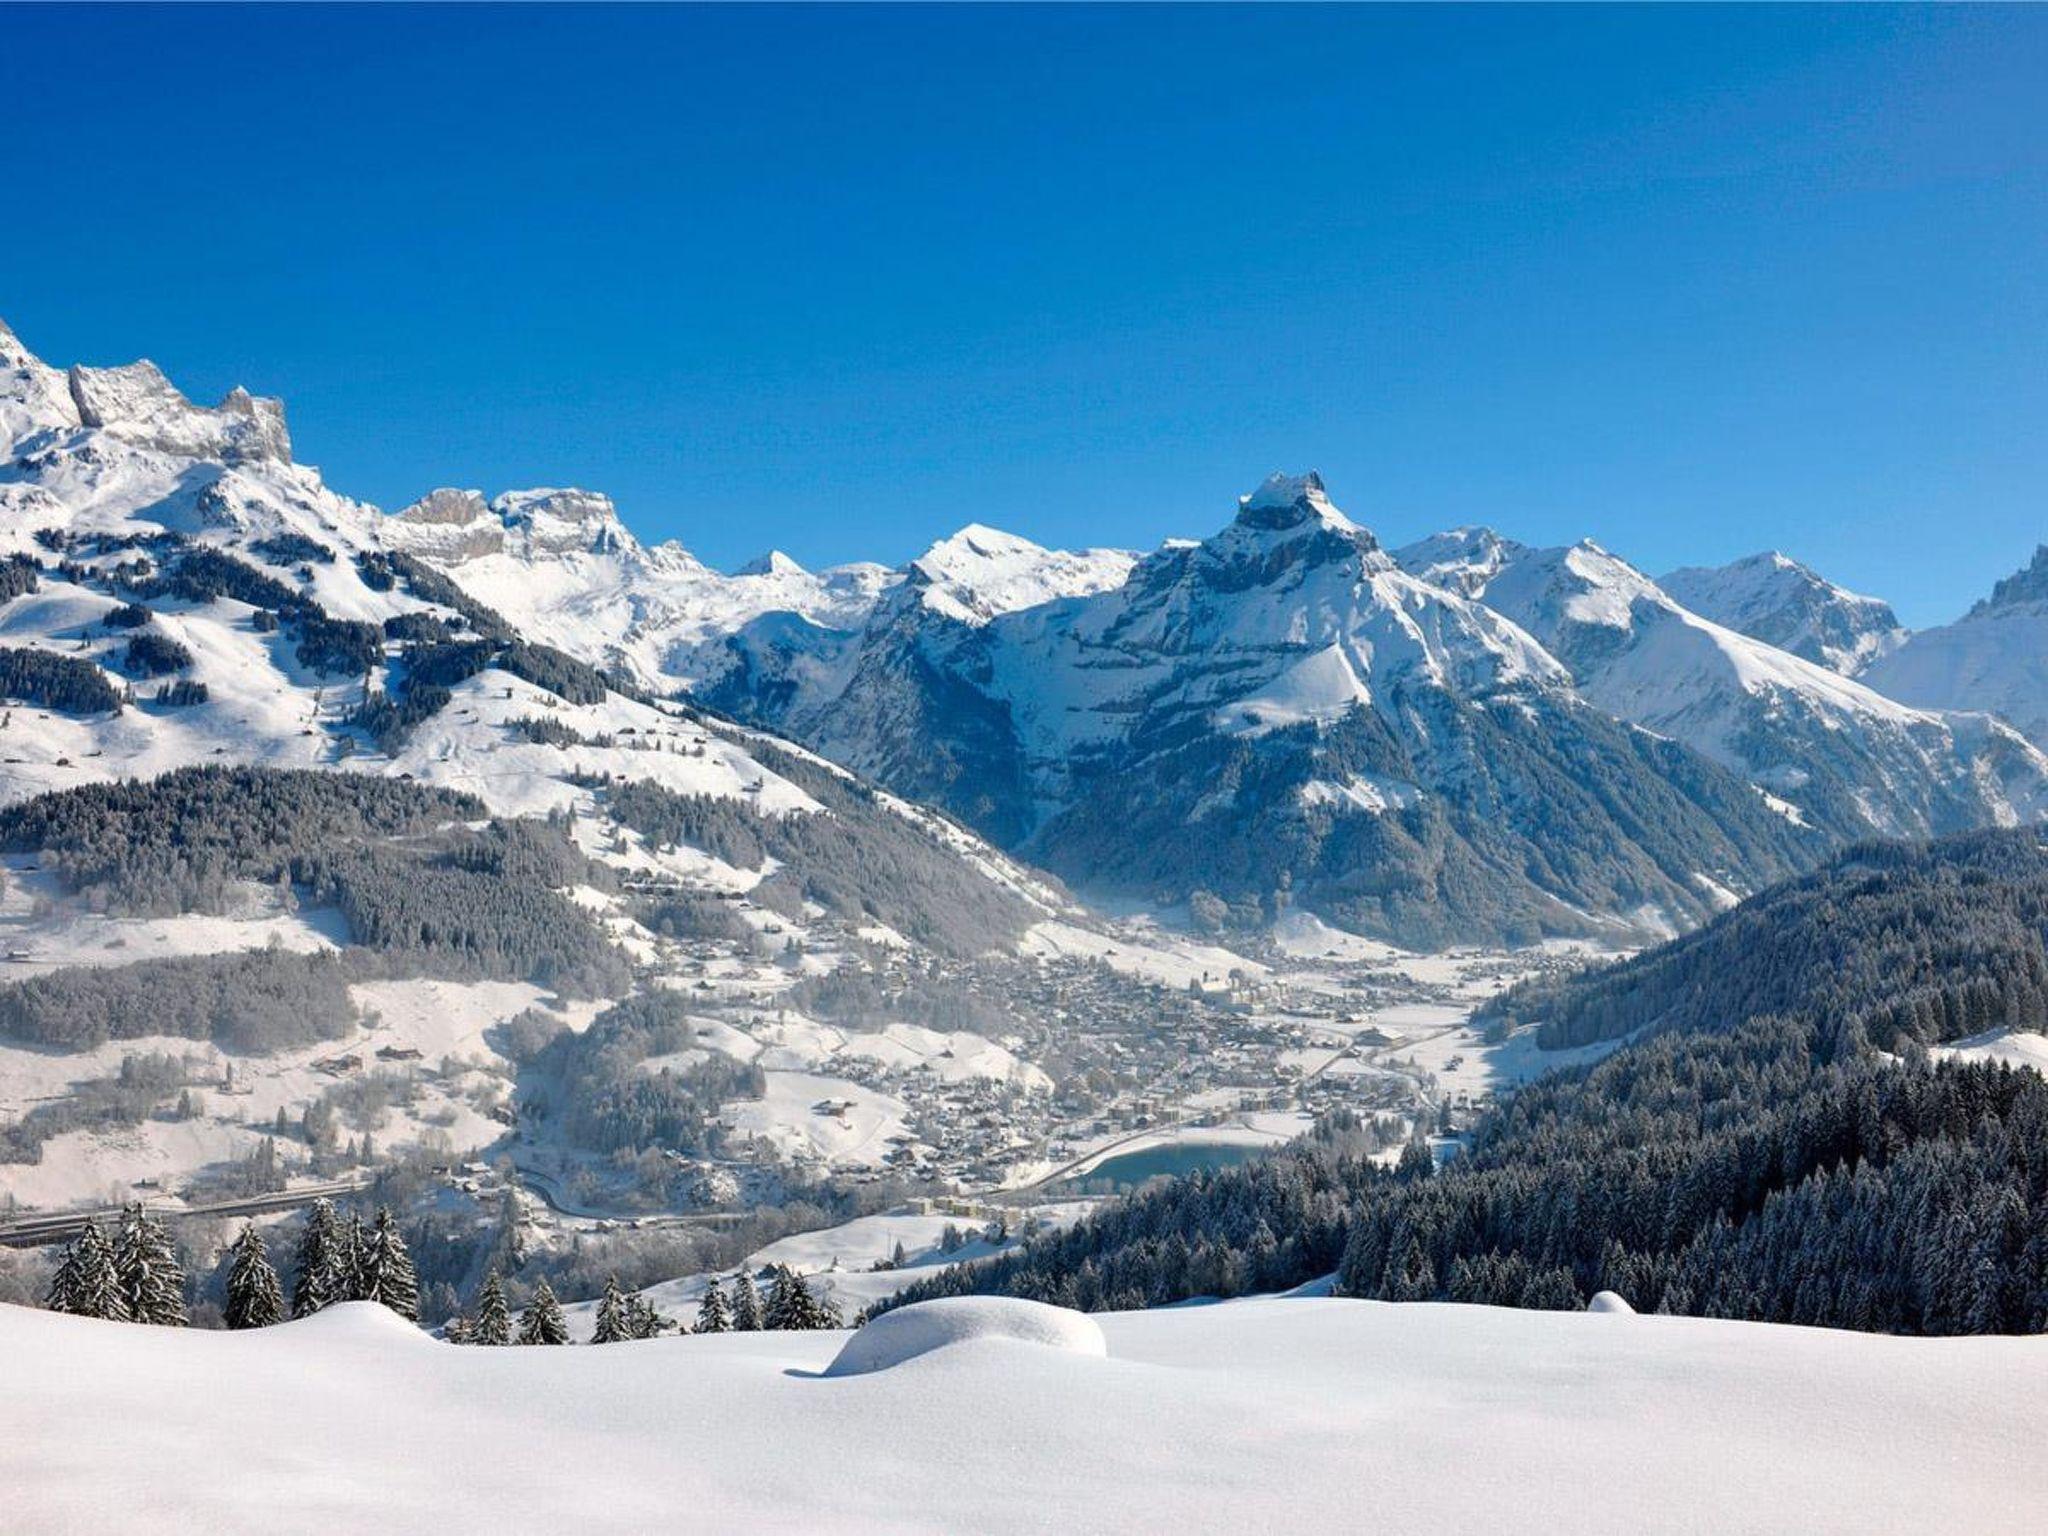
x,y
1283,1414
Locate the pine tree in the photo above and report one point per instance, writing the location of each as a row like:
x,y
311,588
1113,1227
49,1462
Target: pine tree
x,y
712,1315
319,1281
493,1322
85,1285
65,1285
146,1268
746,1305
457,1330
354,1255
793,1305
612,1324
388,1275
644,1321
542,1323
255,1299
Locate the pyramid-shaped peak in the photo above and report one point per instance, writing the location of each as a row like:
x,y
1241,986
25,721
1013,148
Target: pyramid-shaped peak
x,y
1290,501
774,563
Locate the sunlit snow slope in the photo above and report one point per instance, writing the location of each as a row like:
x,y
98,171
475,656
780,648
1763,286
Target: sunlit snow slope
x,y
1280,1415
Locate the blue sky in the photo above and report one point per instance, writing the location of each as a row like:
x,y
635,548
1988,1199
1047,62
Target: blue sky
x,y
1692,282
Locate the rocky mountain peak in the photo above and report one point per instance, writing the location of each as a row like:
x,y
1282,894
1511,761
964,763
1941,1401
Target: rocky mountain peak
x,y
2029,584
1292,501
773,563
136,403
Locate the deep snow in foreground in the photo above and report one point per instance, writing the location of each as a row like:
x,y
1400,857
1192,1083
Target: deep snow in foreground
x,y
1285,1414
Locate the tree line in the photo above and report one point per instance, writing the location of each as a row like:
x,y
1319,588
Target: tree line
x,y
133,1274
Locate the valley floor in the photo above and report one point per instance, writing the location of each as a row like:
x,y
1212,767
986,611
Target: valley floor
x,y
1280,1414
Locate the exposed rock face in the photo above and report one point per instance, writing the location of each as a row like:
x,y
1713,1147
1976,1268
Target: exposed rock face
x,y
139,405
2028,584
266,436
34,397
450,526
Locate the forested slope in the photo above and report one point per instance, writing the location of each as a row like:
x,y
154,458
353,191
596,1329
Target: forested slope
x,y
426,883
1888,943
1754,1156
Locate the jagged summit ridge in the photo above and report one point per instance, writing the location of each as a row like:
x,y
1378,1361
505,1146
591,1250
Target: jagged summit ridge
x,y
2028,584
1993,658
138,404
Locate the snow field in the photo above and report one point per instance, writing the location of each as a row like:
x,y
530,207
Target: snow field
x,y
1274,1415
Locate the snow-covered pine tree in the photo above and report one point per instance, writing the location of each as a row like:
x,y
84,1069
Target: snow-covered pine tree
x,y
793,1305
255,1299
147,1270
712,1315
354,1256
644,1321
84,1284
99,1285
457,1330
63,1294
493,1322
319,1267
746,1305
541,1322
780,1293
612,1327
388,1275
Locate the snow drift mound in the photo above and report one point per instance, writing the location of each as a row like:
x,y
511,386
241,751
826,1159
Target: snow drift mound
x,y
895,1337
359,1322
1608,1301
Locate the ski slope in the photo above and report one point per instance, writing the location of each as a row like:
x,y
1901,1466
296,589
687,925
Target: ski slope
x,y
1290,1414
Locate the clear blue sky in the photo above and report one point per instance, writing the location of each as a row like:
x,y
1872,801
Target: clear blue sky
x,y
1693,282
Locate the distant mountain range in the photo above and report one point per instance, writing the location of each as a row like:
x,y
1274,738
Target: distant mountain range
x,y
175,590
1464,740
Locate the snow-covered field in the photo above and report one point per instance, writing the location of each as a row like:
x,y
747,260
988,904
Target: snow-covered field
x,y
1273,1415
2014,1047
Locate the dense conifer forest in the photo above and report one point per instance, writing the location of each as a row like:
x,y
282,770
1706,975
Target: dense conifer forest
x,y
865,863
1886,944
424,891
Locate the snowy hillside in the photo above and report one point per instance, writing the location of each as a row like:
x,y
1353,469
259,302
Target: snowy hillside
x,y
1834,753
1993,658
1773,598
176,591
1286,1414
242,611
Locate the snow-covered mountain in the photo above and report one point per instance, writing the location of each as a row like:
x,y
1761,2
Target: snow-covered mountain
x,y
1837,754
175,589
1993,658
1773,598
561,567
1279,714
1466,740
1128,736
